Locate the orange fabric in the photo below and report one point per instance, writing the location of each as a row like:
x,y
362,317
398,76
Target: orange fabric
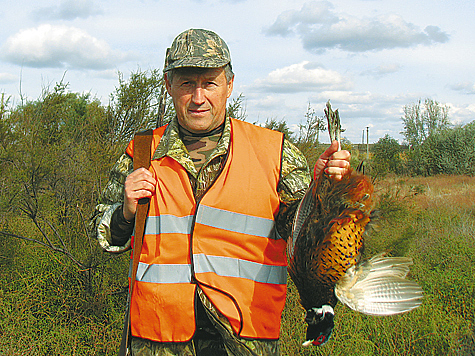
x,y
247,185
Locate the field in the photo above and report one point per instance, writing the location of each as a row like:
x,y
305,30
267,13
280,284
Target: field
x,y
47,309
431,220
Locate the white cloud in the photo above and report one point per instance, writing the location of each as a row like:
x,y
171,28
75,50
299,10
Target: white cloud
x,y
320,29
464,87
267,102
7,78
49,46
107,74
302,77
313,13
382,70
68,10
462,113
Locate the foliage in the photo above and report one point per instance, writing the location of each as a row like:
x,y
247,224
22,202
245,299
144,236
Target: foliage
x,y
431,220
52,142
236,109
386,156
135,105
435,146
46,310
423,120
451,151
307,138
280,126
309,131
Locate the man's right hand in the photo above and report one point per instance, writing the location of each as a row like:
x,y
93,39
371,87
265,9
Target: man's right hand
x,y
138,184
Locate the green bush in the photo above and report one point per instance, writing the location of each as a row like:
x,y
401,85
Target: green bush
x,y
386,157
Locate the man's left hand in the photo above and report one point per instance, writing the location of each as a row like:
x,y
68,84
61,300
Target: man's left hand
x,y
335,163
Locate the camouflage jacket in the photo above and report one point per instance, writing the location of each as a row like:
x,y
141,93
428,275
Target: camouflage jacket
x,y
295,178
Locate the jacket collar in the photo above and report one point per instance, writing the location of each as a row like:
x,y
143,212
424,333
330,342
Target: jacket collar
x,y
172,146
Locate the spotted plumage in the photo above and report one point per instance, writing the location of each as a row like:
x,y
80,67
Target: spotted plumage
x,y
330,238
324,253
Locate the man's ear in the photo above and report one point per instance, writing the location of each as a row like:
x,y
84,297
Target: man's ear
x,y
167,83
230,87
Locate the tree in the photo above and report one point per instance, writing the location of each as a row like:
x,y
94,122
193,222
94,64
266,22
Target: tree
x,y
51,175
4,114
422,120
307,139
451,151
386,156
136,104
235,108
280,126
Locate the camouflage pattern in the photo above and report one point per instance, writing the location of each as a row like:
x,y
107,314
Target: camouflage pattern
x,y
225,344
200,148
295,178
174,147
197,48
112,198
234,345
144,347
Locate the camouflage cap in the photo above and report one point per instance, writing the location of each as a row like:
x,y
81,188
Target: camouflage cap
x,y
197,48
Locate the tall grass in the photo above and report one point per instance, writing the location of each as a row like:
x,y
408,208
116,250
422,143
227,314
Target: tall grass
x,y
431,220
46,309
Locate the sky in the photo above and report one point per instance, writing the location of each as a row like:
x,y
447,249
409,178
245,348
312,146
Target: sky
x,y
370,58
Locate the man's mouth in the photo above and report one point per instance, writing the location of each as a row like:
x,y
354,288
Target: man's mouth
x,y
198,111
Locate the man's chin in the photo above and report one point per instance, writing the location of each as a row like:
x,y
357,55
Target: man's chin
x,y
199,124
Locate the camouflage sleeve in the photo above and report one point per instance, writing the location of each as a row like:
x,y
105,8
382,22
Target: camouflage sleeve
x,y
295,179
111,199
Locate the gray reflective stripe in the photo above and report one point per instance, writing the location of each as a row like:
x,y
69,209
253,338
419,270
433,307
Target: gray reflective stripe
x,y
227,220
163,273
222,266
233,267
168,224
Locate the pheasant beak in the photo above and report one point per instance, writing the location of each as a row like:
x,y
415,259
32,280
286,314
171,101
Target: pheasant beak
x,y
320,325
319,341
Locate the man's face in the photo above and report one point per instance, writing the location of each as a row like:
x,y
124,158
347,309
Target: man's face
x,y
199,97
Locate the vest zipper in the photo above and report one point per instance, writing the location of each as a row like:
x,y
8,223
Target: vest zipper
x,y
193,277
221,168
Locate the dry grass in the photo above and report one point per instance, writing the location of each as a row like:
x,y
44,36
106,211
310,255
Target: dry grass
x,y
431,220
44,309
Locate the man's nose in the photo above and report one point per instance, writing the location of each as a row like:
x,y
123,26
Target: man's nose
x,y
198,95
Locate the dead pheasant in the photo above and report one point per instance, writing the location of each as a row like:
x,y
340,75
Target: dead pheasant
x,y
324,253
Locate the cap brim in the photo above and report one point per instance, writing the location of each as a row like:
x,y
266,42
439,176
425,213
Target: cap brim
x,y
197,62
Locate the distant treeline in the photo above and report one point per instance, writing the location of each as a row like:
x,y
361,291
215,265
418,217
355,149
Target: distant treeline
x,y
434,146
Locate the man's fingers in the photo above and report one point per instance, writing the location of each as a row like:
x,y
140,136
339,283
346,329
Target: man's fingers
x,y
338,164
136,195
340,155
139,184
337,169
141,174
333,148
334,162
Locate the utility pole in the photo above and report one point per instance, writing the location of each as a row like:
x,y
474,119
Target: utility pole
x,y
367,143
362,141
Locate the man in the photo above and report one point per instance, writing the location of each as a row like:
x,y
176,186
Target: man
x,y
223,193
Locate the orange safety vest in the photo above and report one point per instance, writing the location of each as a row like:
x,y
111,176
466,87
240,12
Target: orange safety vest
x,y
226,243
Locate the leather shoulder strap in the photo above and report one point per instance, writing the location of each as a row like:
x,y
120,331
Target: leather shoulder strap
x,y
142,159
